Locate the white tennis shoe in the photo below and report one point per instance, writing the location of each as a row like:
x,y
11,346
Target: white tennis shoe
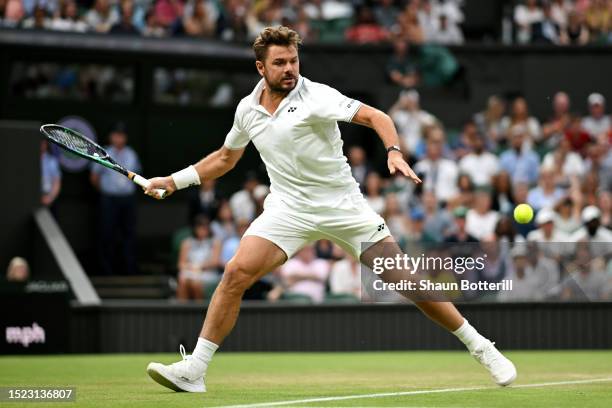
x,y
179,376
502,370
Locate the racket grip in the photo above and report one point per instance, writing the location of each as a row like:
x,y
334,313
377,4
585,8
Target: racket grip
x,y
144,183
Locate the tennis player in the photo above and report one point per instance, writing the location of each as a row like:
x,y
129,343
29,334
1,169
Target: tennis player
x,y
293,123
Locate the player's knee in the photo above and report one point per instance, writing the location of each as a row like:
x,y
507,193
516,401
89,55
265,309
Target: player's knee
x,y
236,277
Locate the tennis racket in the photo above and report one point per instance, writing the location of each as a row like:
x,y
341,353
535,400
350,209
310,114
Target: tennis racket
x,y
78,144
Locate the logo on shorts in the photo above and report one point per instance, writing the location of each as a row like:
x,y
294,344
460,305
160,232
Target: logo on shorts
x,y
381,227
292,109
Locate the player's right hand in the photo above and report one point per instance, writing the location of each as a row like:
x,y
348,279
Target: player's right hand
x,y
165,183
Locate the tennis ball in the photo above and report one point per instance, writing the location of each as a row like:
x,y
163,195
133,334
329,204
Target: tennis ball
x,y
523,213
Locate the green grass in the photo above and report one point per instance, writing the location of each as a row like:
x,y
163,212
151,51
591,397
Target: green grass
x,y
243,378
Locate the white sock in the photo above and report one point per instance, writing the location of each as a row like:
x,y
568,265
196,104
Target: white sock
x,y
469,336
203,353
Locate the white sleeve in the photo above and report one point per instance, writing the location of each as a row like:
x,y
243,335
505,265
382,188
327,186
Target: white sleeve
x,y
331,105
237,138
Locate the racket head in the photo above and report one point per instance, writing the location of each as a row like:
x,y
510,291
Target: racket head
x,y
78,144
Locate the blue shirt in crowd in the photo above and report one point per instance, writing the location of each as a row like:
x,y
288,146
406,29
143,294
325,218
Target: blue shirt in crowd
x,y
112,182
521,168
50,171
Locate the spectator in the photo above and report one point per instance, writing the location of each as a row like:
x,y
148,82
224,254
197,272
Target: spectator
x,y
38,21
555,128
519,161
68,18
547,30
550,241
439,175
14,12
411,121
328,9
599,19
345,277
576,31
402,67
465,194
505,232
568,165
304,274
199,260
524,284
205,200
447,32
373,189
232,22
359,164
489,121
480,164
586,279
416,232
410,28
117,203
567,217
168,12
51,176
259,196
125,26
560,10
230,244
242,202
597,123
519,115
604,202
395,218
153,27
438,222
546,194
525,15
428,20
481,220
386,14
223,225
460,233
366,30
200,22
18,270
502,195
579,140
598,236
102,16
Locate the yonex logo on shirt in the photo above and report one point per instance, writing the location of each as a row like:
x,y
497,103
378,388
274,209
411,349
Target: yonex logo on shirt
x,y
381,227
292,109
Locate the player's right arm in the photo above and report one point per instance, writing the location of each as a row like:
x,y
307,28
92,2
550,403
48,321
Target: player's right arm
x,y
210,167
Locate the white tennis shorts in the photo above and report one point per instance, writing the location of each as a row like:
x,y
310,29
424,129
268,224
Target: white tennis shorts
x,y
354,225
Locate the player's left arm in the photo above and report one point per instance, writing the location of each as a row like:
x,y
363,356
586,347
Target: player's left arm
x,y
384,127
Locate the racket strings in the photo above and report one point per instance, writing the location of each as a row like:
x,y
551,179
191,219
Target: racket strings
x,y
75,142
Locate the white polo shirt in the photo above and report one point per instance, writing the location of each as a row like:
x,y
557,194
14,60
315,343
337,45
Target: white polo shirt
x,y
300,143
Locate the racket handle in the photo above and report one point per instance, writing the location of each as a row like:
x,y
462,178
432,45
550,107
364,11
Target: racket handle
x,y
144,183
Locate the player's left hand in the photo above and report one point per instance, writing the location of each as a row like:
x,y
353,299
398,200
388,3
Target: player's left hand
x,y
396,162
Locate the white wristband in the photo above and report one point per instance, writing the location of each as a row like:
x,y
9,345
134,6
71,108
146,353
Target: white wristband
x,y
186,178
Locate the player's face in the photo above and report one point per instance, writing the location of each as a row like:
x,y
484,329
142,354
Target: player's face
x,y
280,68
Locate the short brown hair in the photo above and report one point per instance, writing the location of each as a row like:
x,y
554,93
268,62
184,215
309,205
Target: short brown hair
x,y
280,35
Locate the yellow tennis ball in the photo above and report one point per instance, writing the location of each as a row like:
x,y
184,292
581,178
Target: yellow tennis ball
x,y
523,213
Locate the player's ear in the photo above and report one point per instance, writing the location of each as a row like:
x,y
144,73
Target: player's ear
x,y
260,67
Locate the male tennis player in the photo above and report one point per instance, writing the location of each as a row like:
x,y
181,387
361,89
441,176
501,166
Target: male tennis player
x,y
293,123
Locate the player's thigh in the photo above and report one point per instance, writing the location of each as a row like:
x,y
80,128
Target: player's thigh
x,y
255,257
384,248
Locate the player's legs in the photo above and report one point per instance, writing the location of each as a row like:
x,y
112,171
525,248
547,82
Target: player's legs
x,y
255,257
443,313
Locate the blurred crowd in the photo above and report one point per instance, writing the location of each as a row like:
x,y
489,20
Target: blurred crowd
x,y
373,21
472,181
562,22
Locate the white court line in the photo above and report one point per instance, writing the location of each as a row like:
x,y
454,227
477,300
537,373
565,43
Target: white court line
x,y
404,393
